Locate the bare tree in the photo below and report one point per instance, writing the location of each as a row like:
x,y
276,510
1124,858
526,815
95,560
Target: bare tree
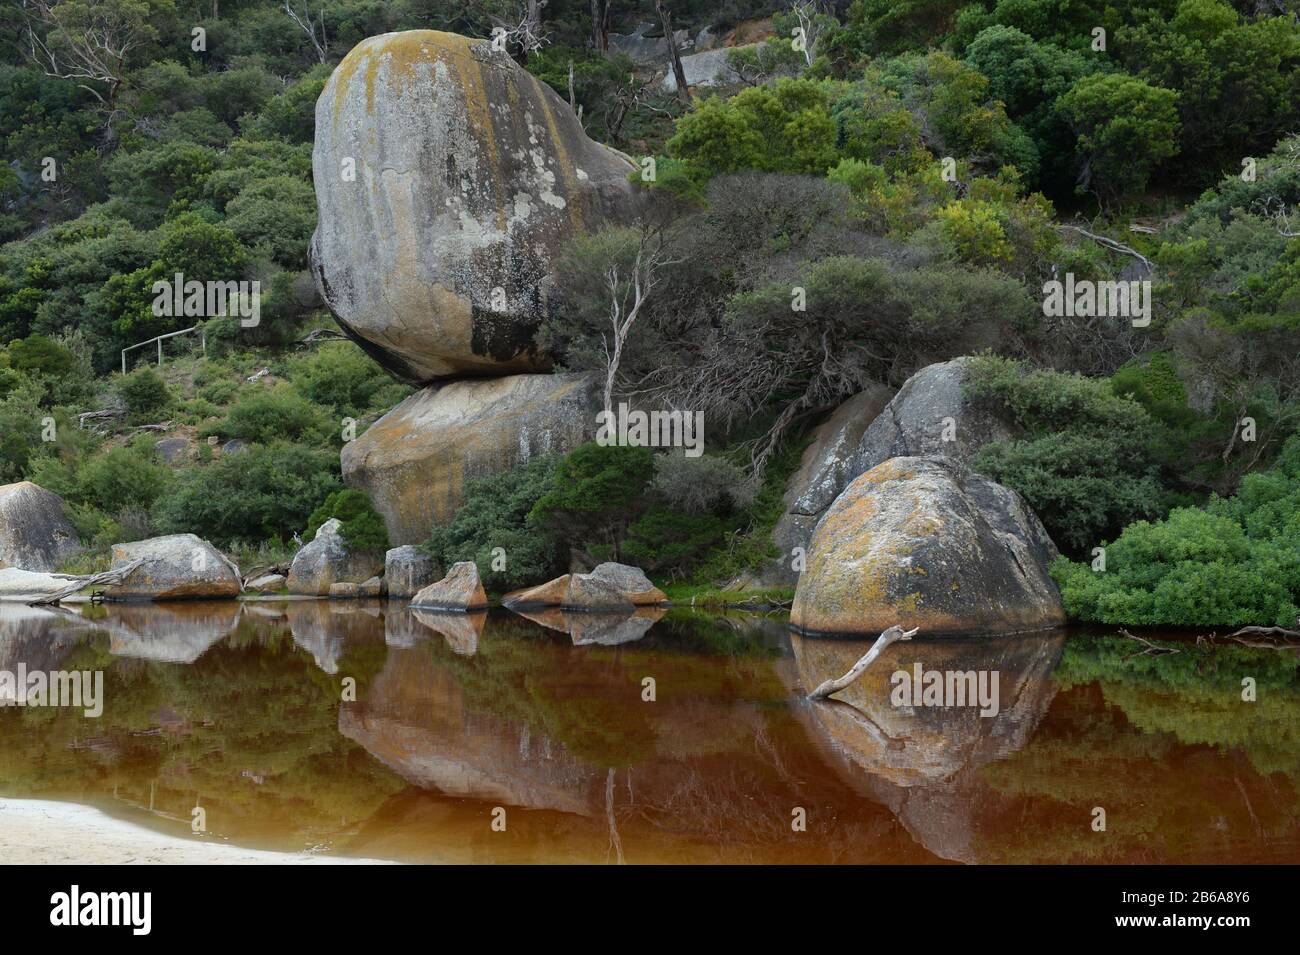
x,y
88,43
308,27
600,13
627,295
674,55
813,22
519,25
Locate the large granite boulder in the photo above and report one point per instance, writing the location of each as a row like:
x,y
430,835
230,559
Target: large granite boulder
x,y
408,570
609,587
631,582
414,461
461,589
824,470
921,542
327,560
470,175
708,68
176,567
931,414
35,533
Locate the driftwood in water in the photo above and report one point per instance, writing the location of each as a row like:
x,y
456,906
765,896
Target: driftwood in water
x,y
1267,632
892,635
29,587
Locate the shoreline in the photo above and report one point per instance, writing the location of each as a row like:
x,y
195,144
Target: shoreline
x,y
47,832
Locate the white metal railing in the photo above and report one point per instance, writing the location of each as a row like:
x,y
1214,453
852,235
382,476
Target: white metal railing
x,y
159,339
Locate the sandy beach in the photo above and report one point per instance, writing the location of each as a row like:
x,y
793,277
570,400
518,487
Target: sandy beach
x,y
41,832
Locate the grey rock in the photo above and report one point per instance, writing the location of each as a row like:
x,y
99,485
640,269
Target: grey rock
x,y
709,68
408,570
471,175
414,462
35,533
824,471
175,567
913,423
630,581
459,590
173,451
328,560
922,542
589,592
268,582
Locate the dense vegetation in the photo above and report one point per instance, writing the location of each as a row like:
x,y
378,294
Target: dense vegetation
x,y
911,177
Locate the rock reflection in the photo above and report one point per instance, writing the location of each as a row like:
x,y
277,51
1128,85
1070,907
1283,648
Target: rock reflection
x,y
460,630
923,760
324,627
174,632
37,638
597,629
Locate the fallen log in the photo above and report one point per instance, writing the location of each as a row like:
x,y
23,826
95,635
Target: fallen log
x,y
892,635
30,587
1267,632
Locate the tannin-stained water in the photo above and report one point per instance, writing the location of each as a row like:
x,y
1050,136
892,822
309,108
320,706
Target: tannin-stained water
x,y
546,725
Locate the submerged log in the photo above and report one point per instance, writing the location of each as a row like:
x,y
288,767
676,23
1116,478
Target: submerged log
x,y
892,635
29,587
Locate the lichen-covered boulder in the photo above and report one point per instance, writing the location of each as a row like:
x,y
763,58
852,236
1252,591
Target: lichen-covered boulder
x,y
35,533
408,570
589,592
825,468
175,567
610,586
327,560
921,542
265,582
447,178
631,582
461,589
549,594
414,461
931,414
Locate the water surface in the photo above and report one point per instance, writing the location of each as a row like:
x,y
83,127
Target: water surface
x,y
241,709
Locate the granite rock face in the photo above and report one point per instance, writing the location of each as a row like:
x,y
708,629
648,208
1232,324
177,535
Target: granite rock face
x,y
327,560
461,589
447,179
175,567
408,570
921,542
824,470
35,533
931,414
414,461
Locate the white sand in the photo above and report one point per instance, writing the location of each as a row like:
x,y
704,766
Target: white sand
x,y
34,832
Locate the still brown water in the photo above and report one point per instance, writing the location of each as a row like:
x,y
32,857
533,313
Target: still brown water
x,y
241,709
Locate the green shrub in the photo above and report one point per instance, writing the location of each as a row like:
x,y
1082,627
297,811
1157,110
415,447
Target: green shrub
x,y
665,539
596,493
361,526
281,414
145,394
1081,457
1234,562
268,491
495,514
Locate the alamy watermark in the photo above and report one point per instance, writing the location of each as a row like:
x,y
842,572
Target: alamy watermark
x,y
1085,298
946,688
194,299
651,429
83,689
